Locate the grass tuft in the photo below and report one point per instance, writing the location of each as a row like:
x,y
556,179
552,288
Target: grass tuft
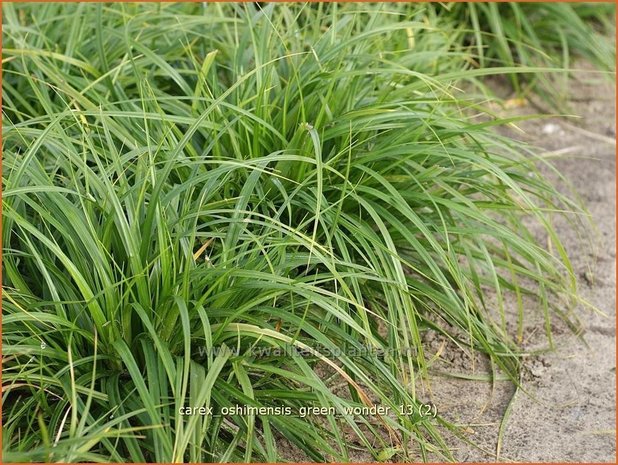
x,y
210,205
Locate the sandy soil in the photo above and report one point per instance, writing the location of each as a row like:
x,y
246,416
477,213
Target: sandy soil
x,y
566,409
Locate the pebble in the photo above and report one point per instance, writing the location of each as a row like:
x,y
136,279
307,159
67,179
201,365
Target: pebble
x,y
550,128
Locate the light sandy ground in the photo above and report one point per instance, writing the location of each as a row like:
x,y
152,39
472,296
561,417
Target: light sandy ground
x,y
569,411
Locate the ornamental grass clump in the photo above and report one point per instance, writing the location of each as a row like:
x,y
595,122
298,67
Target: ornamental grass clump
x,y
556,36
207,206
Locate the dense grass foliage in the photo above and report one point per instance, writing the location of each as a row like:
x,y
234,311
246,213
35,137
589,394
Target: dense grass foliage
x,y
188,185
542,34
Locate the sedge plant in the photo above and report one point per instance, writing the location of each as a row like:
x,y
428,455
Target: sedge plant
x,y
555,35
212,205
